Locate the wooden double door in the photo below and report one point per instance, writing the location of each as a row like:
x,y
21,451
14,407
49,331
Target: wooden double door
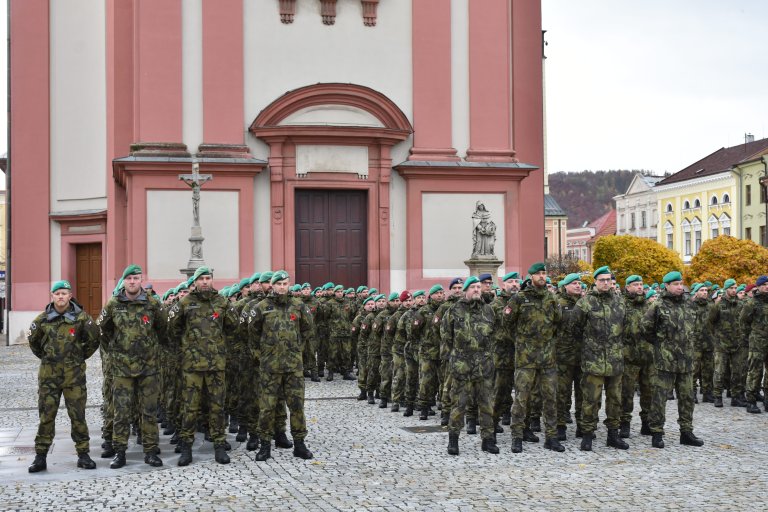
x,y
88,278
331,237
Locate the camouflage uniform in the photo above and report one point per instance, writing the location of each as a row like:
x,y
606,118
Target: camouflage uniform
x,y
360,343
600,317
754,324
503,360
703,356
107,404
374,348
468,325
427,331
387,338
321,334
131,330
411,354
399,341
446,399
338,316
310,350
666,324
203,323
533,316
638,361
62,342
724,323
277,329
568,355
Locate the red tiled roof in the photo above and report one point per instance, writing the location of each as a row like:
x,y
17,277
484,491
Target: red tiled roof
x,y
719,161
605,225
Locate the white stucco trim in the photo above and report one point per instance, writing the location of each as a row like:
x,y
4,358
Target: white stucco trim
x,y
460,75
192,73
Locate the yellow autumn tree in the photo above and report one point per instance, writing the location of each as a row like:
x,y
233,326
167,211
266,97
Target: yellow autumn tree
x,y
627,255
727,257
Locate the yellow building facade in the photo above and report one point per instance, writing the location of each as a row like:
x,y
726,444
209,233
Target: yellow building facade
x,y
752,200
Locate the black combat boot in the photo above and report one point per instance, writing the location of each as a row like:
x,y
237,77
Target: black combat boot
x,y
348,376
444,419
471,426
300,450
109,450
227,445
657,441
529,436
536,425
383,403
234,425
118,461
760,397
265,451
321,372
689,439
170,429
753,408
242,433
453,443
489,445
624,430
329,378
506,418
517,445
671,394
84,461
186,454
395,407
253,442
615,441
408,411
315,377
377,395
718,401
497,429
282,441
586,443
765,405
568,418
152,459
645,429
424,413
738,401
551,443
707,397
307,374
561,433
220,454
39,464
362,395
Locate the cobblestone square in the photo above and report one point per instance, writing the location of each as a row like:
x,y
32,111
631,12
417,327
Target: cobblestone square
x,y
366,460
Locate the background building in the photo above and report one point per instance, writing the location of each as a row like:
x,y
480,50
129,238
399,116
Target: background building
x,y
348,140
752,198
637,209
581,241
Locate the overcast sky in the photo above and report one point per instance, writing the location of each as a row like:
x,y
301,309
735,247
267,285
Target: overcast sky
x,y
652,84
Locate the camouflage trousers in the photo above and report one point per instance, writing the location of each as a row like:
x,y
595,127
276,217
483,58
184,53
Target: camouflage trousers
x,y
526,381
634,375
192,398
373,378
169,385
592,395
503,383
308,355
411,378
234,382
321,342
353,353
274,387
339,350
429,381
398,377
385,373
173,406
704,370
448,397
534,406
736,360
138,394
107,406
663,382
472,390
250,401
568,384
362,366
53,380
758,357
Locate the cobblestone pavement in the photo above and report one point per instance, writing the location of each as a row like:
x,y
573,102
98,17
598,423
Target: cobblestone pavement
x,y
365,460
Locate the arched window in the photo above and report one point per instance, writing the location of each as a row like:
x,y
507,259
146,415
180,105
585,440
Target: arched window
x,y
696,203
669,207
714,226
726,199
686,237
696,223
725,223
687,205
669,229
713,201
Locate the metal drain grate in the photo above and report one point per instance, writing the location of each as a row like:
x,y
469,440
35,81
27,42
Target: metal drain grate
x,y
13,451
431,429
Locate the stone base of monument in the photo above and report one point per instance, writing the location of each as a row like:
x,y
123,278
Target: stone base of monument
x,y
479,266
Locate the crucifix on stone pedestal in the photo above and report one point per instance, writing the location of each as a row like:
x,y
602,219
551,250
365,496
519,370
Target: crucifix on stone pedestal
x,y
195,181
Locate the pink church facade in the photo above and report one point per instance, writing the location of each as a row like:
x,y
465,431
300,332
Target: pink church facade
x,y
348,140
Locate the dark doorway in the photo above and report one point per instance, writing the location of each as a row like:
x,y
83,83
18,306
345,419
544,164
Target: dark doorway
x,y
331,237
88,278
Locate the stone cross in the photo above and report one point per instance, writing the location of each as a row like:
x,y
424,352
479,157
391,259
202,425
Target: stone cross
x,y
195,181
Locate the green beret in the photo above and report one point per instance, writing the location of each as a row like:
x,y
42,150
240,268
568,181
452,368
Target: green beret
x,y
318,289
235,288
583,285
549,280
696,287
646,287
367,300
741,288
61,285
373,291
569,279
361,288
132,270
182,286
280,275
244,282
631,279
655,286
349,290
380,296
393,296
417,293
527,277
306,285
673,276
470,280
708,284
201,271
166,294
337,288
511,275
190,281
224,291
663,286
265,277
118,286
728,283
435,289
537,267
602,270
650,294
715,287
328,286
254,278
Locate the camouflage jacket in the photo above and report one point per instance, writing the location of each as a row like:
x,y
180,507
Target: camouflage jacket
x,y
569,336
425,331
338,314
131,332
445,344
321,316
278,327
375,339
401,341
364,340
724,324
69,338
665,325
636,349
533,317
501,340
390,328
469,325
754,321
355,329
600,317
701,336
238,340
203,324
